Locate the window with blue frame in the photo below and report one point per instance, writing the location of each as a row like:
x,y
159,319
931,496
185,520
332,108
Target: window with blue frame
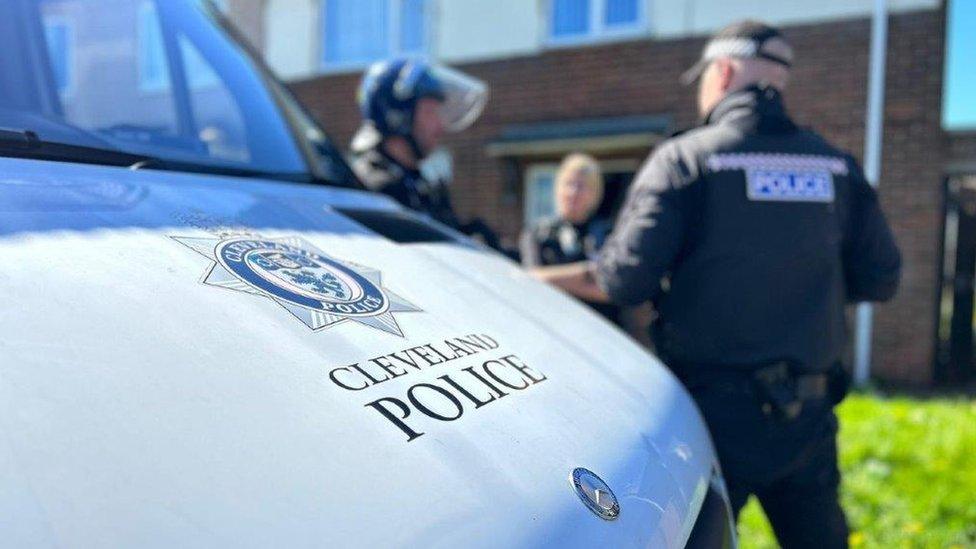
x,y
412,26
572,20
959,106
570,17
59,36
358,32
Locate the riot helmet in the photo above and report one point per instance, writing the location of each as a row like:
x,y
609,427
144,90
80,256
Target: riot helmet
x,y
391,90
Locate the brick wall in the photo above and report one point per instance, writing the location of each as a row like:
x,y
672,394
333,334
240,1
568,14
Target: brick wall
x,y
828,92
961,150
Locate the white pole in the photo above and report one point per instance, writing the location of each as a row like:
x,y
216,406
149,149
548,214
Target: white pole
x,y
873,131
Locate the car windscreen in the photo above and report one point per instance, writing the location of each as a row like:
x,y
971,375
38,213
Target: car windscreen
x,y
147,77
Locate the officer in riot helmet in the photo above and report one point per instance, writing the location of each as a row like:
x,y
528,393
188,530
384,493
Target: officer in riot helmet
x,y
408,105
750,234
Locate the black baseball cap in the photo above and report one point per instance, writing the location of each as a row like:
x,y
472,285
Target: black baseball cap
x,y
745,40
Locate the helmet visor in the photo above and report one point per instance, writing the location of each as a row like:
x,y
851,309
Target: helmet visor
x,y
464,98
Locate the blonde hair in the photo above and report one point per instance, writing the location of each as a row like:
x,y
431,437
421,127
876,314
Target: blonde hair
x,y
587,166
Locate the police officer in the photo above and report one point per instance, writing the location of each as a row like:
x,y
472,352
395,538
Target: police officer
x,y
576,232
750,234
407,106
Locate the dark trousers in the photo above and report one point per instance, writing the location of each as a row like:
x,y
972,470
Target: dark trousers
x,y
790,466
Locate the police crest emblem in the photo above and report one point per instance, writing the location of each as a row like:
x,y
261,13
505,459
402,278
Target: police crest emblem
x,y
318,289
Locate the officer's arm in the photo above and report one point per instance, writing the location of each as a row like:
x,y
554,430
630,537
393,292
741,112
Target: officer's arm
x,y
574,278
872,263
649,230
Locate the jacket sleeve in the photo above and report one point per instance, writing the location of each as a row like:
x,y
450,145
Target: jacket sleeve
x,y
648,234
872,262
600,230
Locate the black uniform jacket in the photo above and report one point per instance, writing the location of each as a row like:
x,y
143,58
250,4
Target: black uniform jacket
x,y
380,172
750,234
558,242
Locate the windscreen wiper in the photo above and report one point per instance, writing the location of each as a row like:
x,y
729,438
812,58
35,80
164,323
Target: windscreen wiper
x,y
19,138
26,144
155,163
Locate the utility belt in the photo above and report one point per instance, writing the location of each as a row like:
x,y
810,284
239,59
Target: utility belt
x,y
781,389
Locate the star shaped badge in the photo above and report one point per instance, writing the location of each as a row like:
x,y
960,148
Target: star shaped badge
x,y
320,290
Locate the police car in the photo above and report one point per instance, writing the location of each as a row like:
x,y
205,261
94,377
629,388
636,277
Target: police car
x,y
212,338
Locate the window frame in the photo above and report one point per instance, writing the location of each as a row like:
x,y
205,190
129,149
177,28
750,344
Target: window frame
x,y
395,8
530,190
534,170
598,31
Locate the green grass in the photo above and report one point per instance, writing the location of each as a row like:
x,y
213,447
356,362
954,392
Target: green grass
x,y
909,474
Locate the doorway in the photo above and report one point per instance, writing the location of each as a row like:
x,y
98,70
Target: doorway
x,y
539,187
956,356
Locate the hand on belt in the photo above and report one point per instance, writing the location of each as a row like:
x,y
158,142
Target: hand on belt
x,y
778,386
784,392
